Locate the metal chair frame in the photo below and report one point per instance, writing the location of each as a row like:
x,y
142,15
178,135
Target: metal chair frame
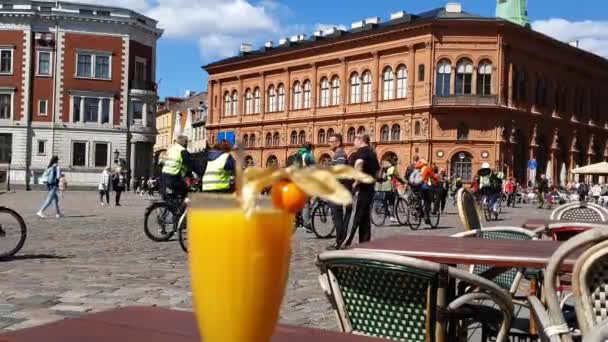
x,y
559,212
465,199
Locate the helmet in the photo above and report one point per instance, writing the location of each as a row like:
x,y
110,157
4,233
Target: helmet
x,y
485,165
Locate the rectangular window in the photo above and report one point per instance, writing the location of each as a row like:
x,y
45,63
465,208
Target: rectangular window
x,y
105,111
138,109
41,147
6,61
7,6
140,71
85,11
103,13
421,73
79,154
84,68
5,106
6,143
44,63
76,109
91,109
101,154
42,107
102,66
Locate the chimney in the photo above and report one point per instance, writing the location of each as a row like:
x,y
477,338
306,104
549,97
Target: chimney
x,y
246,47
453,7
397,15
268,44
372,20
574,43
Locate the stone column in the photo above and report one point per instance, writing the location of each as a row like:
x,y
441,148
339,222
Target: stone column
x,y
81,109
376,81
452,79
412,77
314,89
288,92
132,163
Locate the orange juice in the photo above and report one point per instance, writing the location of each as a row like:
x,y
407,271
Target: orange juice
x,y
238,270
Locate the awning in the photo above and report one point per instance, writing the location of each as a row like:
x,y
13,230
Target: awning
x,y
593,169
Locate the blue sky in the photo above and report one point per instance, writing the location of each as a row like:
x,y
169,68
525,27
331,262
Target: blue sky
x,y
202,31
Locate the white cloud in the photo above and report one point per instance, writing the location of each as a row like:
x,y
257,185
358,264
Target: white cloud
x,y
591,35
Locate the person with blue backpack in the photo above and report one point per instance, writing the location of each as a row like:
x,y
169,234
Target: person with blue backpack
x,y
50,177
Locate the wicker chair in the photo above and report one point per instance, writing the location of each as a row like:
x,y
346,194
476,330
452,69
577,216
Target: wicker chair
x,y
589,281
508,280
468,211
599,334
400,298
580,212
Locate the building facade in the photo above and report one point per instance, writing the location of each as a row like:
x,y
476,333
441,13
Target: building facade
x,y
76,81
446,85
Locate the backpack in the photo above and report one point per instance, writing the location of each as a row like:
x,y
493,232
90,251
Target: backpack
x,y
294,159
415,177
49,176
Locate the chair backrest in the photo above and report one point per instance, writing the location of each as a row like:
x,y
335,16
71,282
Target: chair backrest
x,y
590,286
580,212
599,334
396,297
507,280
597,234
468,210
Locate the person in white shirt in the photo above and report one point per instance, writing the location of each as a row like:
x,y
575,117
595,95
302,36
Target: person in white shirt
x,y
104,186
596,191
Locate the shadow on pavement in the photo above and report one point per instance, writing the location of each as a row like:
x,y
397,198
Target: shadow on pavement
x,y
37,257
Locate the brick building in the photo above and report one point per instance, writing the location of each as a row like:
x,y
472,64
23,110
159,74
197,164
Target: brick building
x,y
76,81
447,85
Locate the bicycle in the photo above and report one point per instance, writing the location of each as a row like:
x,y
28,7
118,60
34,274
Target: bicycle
x,y
415,212
13,232
167,214
322,221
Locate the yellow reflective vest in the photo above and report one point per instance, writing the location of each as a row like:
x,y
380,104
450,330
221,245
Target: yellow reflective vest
x,y
174,164
215,177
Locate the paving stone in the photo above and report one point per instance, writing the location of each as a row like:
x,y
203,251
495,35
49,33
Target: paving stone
x,y
70,308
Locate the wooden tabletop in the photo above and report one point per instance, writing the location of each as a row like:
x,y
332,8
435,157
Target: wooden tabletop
x,y
151,324
471,251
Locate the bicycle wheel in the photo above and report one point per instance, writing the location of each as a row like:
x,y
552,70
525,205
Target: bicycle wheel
x,y
378,214
182,233
323,222
414,216
12,232
435,215
401,211
160,222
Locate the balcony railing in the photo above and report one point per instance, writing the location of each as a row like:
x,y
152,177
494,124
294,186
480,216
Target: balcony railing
x,y
465,100
143,85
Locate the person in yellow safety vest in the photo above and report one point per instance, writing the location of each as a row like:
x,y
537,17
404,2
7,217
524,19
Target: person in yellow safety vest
x,y
177,166
220,171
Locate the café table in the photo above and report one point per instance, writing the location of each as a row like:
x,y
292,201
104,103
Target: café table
x,y
152,324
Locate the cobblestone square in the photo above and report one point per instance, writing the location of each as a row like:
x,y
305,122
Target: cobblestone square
x,y
97,258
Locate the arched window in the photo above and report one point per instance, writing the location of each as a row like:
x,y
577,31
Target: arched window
x,y
388,81
235,103
396,133
272,162
248,102
330,132
281,97
361,130
256,100
335,91
541,92
444,74
350,135
293,139
462,166
307,92
324,98
302,137
462,132
272,99
227,104
297,96
252,140
401,82
367,87
246,140
355,88
268,139
384,133
417,130
249,161
464,77
321,136
276,140
484,78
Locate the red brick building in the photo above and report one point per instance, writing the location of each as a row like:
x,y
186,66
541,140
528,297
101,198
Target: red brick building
x,y
452,87
77,81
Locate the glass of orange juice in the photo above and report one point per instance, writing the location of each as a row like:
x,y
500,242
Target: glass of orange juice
x,y
238,266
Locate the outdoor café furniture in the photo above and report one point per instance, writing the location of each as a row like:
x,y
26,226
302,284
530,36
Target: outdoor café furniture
x,y
152,324
401,298
589,284
468,211
599,334
580,212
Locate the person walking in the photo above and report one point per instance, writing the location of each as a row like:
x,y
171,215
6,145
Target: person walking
x,y
364,160
220,172
542,188
596,191
104,186
510,191
63,185
444,188
51,178
119,183
339,212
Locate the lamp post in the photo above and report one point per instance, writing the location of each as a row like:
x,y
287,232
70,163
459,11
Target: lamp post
x,y
8,171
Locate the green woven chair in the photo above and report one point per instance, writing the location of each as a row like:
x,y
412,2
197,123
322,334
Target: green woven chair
x,y
401,298
468,210
589,287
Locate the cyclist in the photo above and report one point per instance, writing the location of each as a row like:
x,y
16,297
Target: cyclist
x,y
220,170
388,181
421,180
542,187
177,165
490,185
